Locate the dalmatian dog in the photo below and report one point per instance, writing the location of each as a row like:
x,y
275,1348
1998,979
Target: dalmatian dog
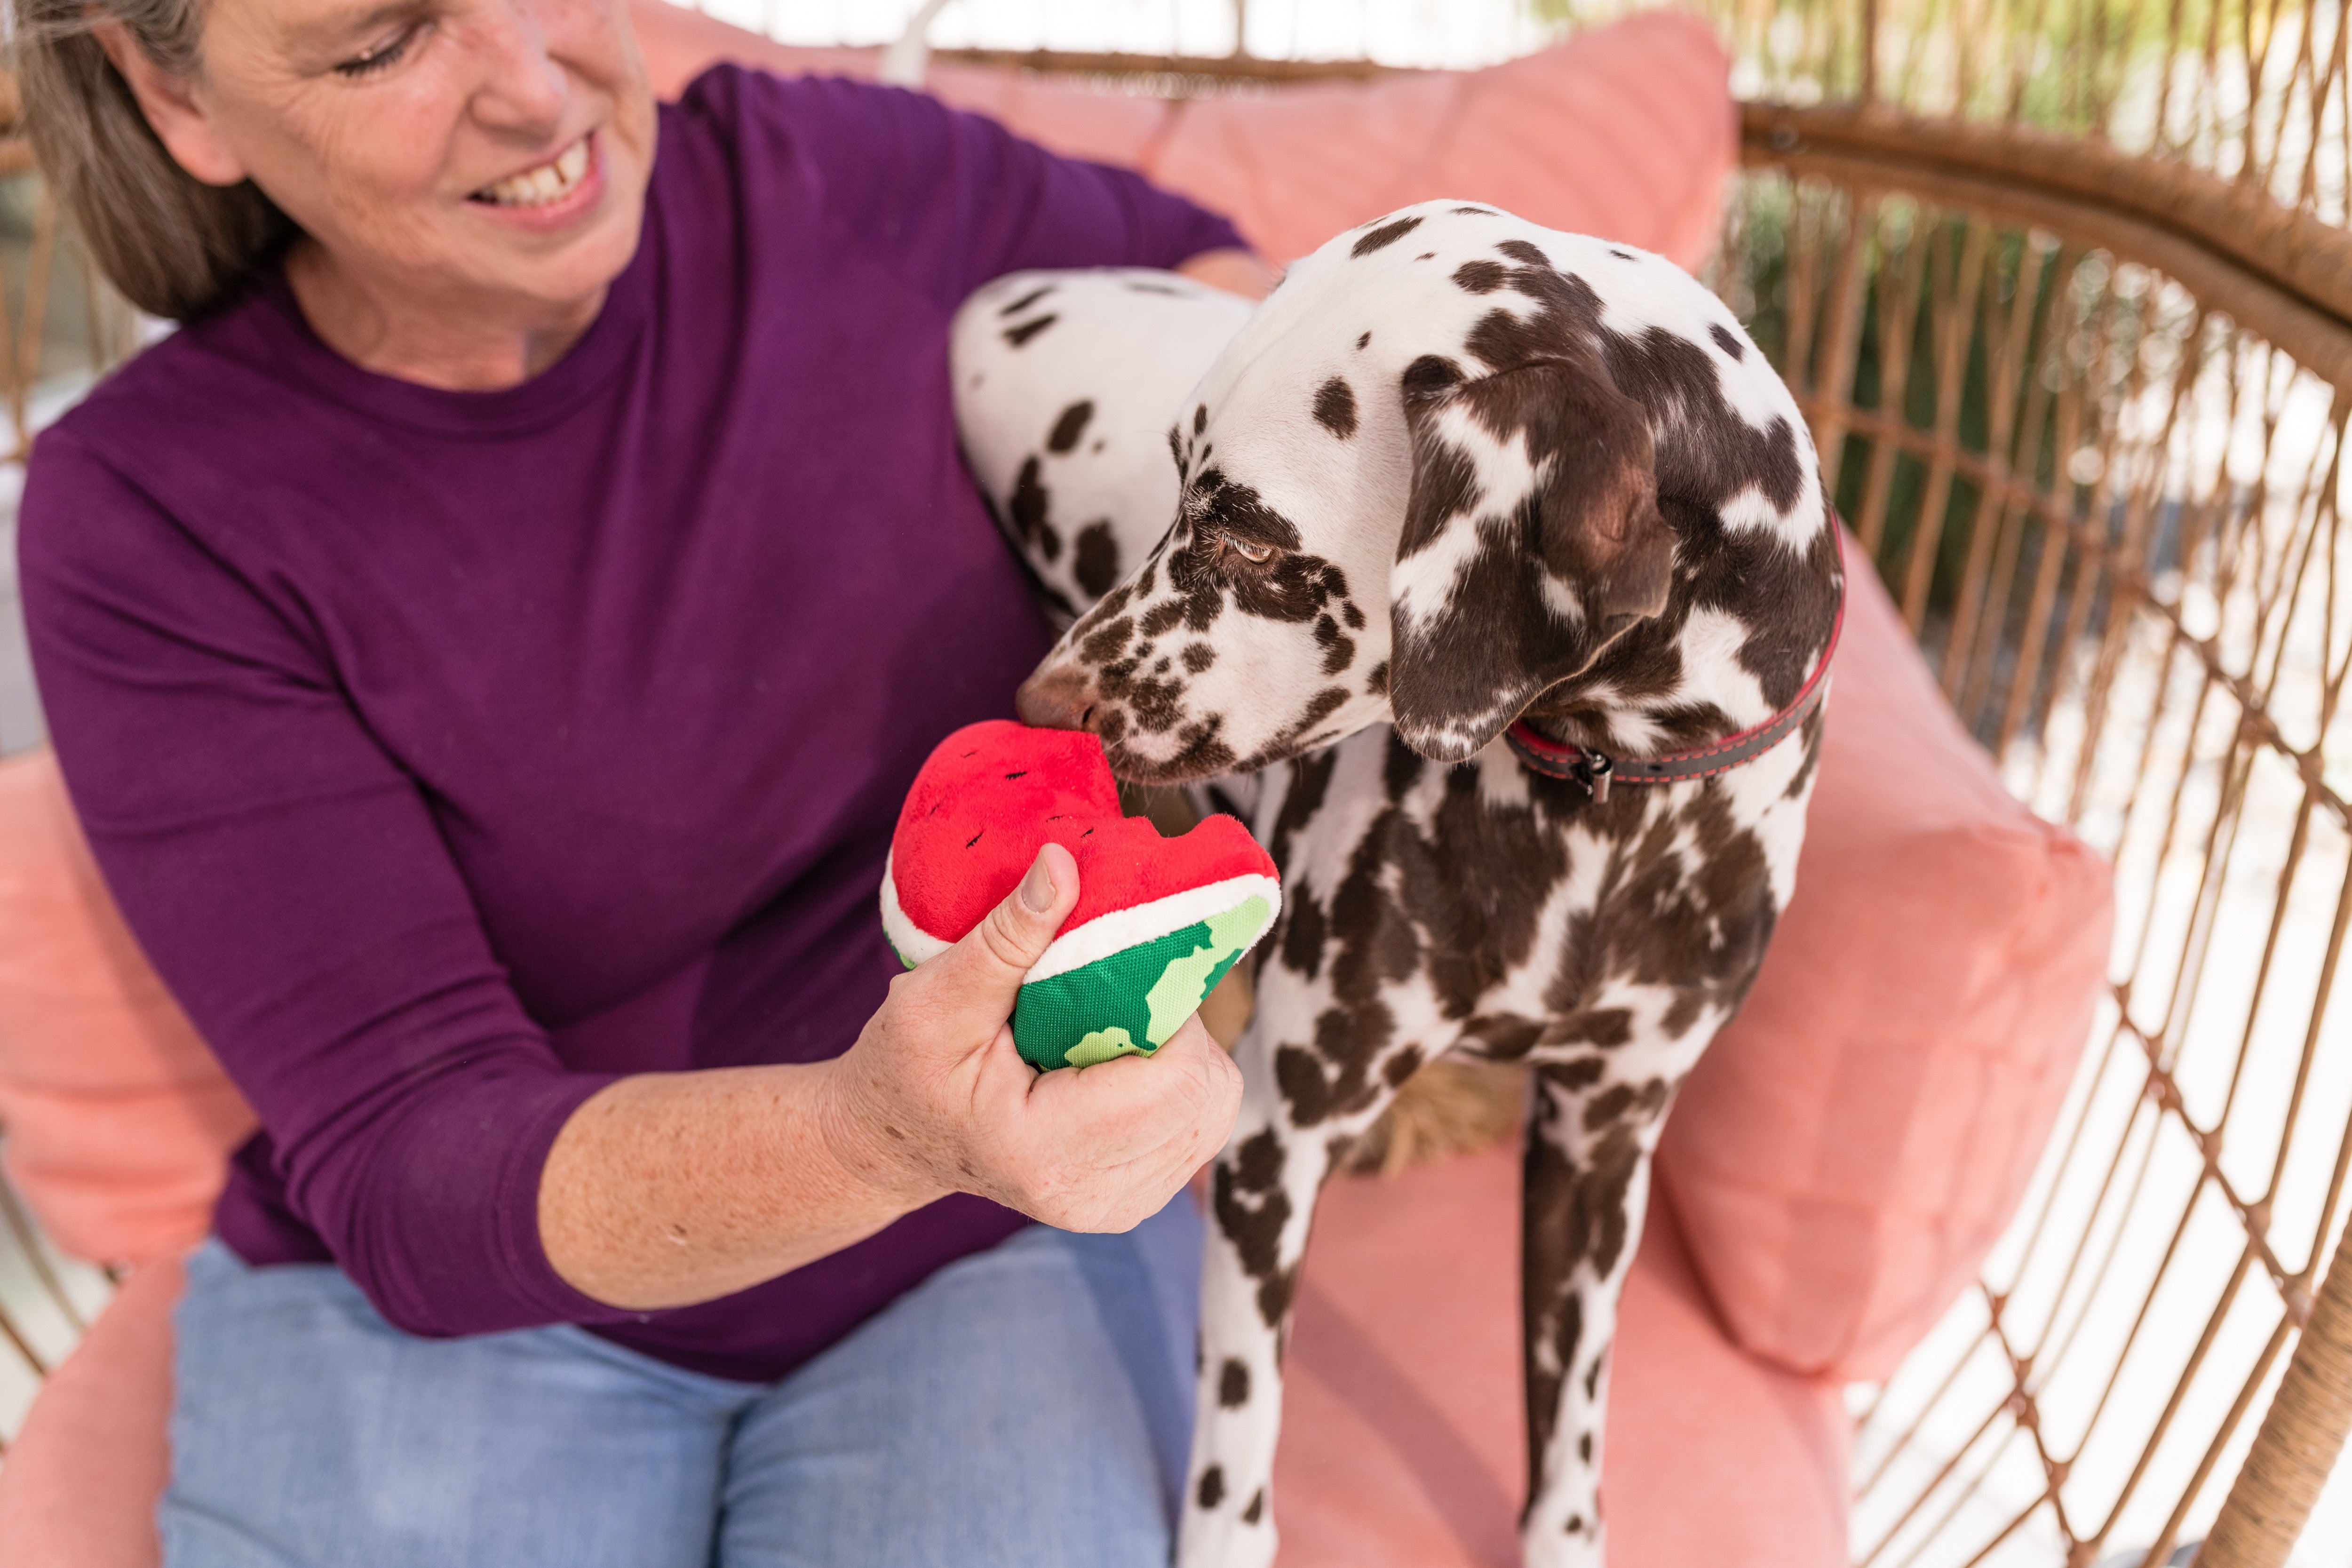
x,y
1498,597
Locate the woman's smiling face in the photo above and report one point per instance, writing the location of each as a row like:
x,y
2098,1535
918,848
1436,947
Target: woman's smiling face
x,y
491,153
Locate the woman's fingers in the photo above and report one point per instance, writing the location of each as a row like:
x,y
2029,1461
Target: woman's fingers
x,y
1105,1146
974,983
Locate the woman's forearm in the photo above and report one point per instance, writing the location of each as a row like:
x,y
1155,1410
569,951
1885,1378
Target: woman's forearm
x,y
668,1189
674,1188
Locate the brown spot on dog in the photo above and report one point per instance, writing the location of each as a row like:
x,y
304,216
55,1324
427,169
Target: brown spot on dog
x,y
1018,336
1581,1072
1245,1193
1726,339
1232,1383
1388,233
1364,340
1500,1037
1335,408
1025,300
1199,657
1097,564
1069,427
1256,1509
1213,1486
1479,277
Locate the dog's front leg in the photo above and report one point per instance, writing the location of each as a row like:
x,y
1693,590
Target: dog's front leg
x,y
1586,1187
1262,1197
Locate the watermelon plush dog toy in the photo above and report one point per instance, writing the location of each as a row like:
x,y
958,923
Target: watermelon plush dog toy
x,y
1158,923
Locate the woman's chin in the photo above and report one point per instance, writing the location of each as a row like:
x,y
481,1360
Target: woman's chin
x,y
569,261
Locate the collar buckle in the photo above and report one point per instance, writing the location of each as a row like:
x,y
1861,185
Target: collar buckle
x,y
1593,772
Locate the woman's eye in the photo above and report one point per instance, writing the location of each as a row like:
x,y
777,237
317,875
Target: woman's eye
x,y
1255,554
375,58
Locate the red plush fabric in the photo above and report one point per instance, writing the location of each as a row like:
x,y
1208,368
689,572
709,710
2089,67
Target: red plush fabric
x,y
1854,1142
1403,1444
992,795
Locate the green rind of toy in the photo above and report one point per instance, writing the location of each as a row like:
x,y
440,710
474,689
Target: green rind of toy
x,y
1129,1002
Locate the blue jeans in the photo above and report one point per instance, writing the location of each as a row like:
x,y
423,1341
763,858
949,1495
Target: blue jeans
x,y
1028,1408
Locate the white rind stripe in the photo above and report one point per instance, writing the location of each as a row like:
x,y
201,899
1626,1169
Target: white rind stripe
x,y
915,945
1100,937
1078,946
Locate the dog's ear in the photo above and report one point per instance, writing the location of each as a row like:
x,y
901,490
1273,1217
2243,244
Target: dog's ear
x,y
1532,539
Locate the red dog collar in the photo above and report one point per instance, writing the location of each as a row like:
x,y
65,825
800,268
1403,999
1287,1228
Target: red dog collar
x,y
1596,771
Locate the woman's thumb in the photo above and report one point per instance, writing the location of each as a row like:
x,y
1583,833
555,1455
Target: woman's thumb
x,y
1013,936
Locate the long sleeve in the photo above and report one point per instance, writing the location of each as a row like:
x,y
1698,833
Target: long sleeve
x,y
290,887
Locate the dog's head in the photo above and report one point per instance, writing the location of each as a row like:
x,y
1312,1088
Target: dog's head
x,y
1404,499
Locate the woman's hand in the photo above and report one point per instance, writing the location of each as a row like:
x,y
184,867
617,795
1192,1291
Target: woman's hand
x,y
666,1189
933,1097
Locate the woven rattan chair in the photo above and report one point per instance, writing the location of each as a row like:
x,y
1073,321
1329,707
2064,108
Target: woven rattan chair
x,y
2066,292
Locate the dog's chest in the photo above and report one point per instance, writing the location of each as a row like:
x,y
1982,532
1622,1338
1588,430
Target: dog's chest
x,y
1491,908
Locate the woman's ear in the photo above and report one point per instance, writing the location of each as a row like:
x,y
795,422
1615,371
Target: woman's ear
x,y
173,110
1532,538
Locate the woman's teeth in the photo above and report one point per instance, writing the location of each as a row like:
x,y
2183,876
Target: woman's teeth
x,y
550,181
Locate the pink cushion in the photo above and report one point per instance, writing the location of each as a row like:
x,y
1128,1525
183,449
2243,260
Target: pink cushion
x,y
80,1487
1626,130
1854,1142
1405,1438
116,1115
1403,1442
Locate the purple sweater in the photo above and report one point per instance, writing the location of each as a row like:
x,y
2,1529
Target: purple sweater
x,y
453,753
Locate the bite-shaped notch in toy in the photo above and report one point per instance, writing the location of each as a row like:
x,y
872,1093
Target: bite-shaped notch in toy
x,y
1159,920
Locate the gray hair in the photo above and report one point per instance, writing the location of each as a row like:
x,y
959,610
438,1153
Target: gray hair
x,y
173,245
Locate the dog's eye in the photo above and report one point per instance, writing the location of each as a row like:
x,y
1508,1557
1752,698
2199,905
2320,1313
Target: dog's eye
x,y
1255,554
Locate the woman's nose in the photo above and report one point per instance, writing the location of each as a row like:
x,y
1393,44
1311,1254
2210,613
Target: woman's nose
x,y
522,86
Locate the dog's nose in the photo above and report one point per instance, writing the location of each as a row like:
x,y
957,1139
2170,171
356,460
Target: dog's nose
x,y
1056,698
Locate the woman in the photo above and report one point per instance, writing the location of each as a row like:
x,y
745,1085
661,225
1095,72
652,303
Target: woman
x,y
486,646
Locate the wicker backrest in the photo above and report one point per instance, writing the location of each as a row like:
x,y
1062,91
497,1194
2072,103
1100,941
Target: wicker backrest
x,y
2086,410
